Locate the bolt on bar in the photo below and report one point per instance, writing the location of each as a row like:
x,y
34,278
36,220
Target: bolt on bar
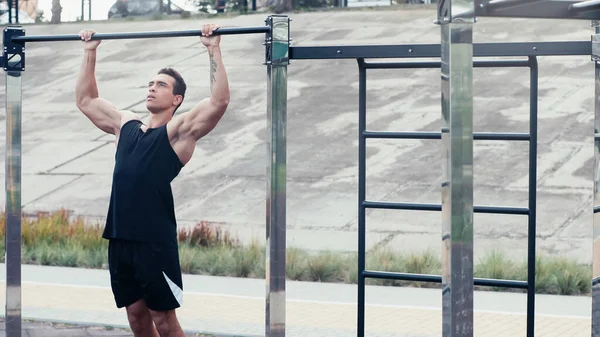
x,y
142,35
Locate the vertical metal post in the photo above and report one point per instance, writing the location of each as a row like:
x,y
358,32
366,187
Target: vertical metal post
x,y
82,10
596,204
10,7
277,59
532,223
456,18
90,10
13,56
362,177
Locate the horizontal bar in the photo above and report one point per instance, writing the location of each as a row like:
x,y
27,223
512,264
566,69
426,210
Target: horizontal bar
x,y
596,209
437,64
495,4
596,136
590,5
386,275
438,135
558,48
141,35
438,279
547,9
438,207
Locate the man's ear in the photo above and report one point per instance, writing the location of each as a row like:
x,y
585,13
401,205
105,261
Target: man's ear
x,y
177,100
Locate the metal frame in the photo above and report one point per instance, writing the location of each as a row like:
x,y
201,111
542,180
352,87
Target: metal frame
x,y
10,8
277,60
276,32
456,52
596,193
454,324
530,211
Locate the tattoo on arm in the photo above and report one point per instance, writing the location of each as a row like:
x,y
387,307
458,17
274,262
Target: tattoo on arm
x,y
213,70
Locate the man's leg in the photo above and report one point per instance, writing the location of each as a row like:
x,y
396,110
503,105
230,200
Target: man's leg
x,y
159,274
126,291
167,324
140,320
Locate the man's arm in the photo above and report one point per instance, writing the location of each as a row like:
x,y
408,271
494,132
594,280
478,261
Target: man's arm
x,y
101,112
205,115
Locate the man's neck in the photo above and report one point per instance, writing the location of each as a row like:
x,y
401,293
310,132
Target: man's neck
x,y
159,119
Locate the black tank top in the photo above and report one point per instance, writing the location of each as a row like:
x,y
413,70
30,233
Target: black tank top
x,y
141,202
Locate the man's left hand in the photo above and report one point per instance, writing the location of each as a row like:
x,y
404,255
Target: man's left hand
x,y
208,39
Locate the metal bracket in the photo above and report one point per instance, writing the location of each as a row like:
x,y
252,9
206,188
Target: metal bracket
x,y
13,53
596,47
277,48
443,12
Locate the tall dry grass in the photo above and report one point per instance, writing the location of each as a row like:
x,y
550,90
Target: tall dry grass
x,y
58,238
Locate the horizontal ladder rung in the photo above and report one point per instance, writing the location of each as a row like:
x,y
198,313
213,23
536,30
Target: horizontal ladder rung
x,y
438,207
438,64
438,279
438,135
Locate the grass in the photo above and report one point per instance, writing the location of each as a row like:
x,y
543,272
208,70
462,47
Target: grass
x,y
59,239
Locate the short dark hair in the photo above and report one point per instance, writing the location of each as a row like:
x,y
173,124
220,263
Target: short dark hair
x,y
180,87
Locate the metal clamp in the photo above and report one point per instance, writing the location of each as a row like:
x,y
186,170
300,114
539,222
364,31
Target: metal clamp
x,y
596,47
13,53
277,41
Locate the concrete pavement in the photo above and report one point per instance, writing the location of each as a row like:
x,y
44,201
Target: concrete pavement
x,y
235,307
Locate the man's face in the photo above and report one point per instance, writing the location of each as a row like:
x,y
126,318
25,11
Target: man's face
x,y
160,94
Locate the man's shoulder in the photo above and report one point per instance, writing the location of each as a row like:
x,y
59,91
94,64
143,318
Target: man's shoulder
x,y
127,115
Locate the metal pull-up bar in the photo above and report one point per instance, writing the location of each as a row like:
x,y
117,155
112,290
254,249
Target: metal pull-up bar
x,y
276,44
141,35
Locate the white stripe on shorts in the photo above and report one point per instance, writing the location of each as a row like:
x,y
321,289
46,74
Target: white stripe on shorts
x,y
177,292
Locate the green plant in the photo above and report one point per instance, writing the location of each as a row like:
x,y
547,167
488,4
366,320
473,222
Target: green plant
x,y
60,239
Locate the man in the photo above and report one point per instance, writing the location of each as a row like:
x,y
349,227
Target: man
x,y
140,226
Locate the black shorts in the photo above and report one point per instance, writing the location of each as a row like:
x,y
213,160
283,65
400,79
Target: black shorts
x,y
148,271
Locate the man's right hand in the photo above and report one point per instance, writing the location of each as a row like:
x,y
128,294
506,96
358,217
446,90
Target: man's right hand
x,y
86,36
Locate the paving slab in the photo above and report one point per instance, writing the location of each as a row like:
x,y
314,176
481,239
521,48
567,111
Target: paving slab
x,y
234,306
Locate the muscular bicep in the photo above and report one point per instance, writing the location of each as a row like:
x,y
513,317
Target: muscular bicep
x,y
102,114
200,120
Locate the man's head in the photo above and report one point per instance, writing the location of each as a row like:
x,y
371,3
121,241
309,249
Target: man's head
x,y
166,91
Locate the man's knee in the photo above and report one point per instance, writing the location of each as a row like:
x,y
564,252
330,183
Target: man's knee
x,y
166,323
139,317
